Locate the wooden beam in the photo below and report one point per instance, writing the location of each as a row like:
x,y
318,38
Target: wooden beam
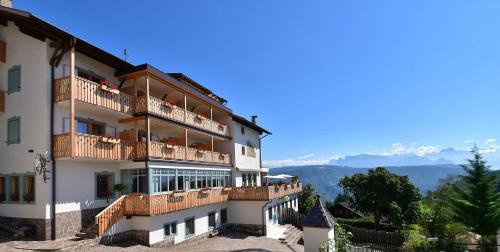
x,y
72,128
131,119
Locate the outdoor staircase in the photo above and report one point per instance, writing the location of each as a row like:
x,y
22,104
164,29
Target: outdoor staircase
x,y
88,232
291,235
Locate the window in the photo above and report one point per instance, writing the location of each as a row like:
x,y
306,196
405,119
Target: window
x,y
251,152
223,216
110,131
270,213
29,188
89,75
14,130
14,79
242,130
243,150
14,188
170,229
104,185
189,226
211,220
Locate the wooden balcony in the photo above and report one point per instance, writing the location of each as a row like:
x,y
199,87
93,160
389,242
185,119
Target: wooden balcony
x,y
93,93
175,152
264,192
96,147
93,147
165,110
148,205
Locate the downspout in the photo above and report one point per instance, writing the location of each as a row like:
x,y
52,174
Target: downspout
x,y
260,156
51,148
264,217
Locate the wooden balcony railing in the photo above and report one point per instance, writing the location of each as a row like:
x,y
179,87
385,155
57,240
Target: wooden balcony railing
x,y
264,192
148,205
175,152
90,146
160,108
110,215
91,92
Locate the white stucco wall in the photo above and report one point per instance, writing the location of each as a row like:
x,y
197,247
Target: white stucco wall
x,y
32,104
245,212
314,238
76,184
244,161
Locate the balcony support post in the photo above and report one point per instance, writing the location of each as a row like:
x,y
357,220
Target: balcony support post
x,y
72,87
212,143
185,107
186,144
211,119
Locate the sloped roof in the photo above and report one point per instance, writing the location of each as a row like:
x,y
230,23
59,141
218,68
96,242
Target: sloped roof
x,y
249,124
347,205
319,216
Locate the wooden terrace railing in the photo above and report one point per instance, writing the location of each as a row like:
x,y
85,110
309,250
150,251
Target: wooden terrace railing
x,y
92,93
264,192
148,205
90,146
163,109
175,152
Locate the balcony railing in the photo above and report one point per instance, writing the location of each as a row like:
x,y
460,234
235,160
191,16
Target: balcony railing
x,y
147,205
166,110
175,152
97,147
264,192
94,147
93,93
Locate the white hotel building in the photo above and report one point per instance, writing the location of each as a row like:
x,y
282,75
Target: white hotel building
x,y
188,165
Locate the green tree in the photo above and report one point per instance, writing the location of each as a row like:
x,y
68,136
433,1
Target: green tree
x,y
476,204
383,193
307,198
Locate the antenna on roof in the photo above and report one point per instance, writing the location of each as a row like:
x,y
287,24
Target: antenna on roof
x,y
125,54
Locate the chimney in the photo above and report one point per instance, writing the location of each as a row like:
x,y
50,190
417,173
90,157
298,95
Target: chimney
x,y
6,3
254,119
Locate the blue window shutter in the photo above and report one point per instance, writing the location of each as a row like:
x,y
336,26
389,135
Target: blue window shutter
x,y
14,130
14,79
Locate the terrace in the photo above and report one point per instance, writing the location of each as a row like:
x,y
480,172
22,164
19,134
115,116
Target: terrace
x,y
148,205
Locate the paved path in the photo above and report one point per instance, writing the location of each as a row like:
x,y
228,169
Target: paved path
x,y
229,241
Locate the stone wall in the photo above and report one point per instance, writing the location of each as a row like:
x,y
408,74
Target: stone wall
x,y
140,236
70,223
41,227
255,229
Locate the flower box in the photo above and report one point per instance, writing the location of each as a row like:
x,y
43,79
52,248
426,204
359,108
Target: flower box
x,y
227,189
109,87
108,139
179,193
205,190
169,103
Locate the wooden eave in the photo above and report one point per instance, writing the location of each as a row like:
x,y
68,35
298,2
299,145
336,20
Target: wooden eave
x,y
147,70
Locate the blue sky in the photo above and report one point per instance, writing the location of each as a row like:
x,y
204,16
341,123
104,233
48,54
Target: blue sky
x,y
328,78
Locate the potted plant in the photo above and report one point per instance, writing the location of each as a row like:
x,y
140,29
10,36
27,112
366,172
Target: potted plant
x,y
109,87
118,188
14,197
227,188
179,193
169,144
28,197
205,190
201,116
169,103
109,139
295,179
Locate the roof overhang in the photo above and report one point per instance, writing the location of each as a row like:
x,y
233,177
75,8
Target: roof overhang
x,y
249,124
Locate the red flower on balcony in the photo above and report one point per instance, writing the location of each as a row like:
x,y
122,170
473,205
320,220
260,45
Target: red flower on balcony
x,y
14,197
170,102
109,84
222,124
202,115
169,142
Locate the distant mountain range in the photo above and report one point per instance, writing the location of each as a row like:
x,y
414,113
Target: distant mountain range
x,y
326,177
444,156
